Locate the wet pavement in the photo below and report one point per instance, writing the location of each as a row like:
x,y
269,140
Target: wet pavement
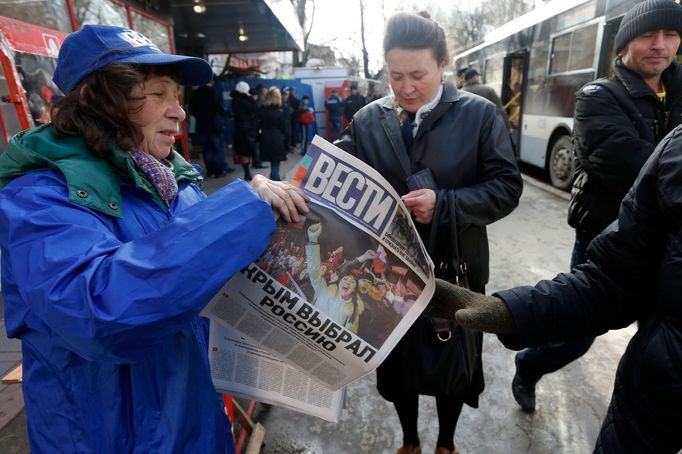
x,y
531,244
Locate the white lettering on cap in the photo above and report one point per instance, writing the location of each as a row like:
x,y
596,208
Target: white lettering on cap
x,y
137,39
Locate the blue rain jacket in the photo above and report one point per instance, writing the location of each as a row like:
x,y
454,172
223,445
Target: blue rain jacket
x,y
103,284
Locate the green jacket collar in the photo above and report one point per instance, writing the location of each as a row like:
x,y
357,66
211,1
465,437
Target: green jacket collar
x,y
92,182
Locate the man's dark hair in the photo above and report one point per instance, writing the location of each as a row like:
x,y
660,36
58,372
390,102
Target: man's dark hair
x,y
415,31
98,109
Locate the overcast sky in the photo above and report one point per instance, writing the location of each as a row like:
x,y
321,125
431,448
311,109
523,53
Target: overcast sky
x,y
337,24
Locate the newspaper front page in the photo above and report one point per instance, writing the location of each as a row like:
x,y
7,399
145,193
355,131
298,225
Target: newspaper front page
x,y
332,295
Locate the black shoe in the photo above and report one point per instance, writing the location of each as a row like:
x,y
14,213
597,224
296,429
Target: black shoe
x,y
260,165
229,170
523,391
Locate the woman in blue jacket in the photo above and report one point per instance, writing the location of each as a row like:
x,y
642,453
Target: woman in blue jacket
x,y
110,251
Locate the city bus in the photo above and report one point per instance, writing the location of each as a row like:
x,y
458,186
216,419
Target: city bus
x,y
537,63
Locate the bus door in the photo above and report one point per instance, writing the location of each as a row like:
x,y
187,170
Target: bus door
x,y
28,57
513,89
606,51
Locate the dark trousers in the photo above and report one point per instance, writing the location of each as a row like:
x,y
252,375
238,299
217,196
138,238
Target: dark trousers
x,y
295,132
305,131
335,128
448,409
213,152
533,363
274,171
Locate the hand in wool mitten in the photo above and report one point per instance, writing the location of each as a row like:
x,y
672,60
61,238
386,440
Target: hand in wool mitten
x,y
469,309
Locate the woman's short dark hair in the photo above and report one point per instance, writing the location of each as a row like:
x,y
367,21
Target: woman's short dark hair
x,y
98,109
415,31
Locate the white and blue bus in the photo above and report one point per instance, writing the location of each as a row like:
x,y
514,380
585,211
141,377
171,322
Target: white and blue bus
x,y
537,62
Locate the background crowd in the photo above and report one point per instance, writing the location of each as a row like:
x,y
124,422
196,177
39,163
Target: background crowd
x,y
269,123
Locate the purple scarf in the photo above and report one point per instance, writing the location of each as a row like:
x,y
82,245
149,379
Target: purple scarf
x,y
159,173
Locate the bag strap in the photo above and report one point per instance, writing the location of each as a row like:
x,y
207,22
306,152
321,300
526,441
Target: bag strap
x,y
626,102
454,234
433,233
442,327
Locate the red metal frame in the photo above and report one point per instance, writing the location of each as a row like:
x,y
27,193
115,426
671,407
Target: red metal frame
x,y
72,15
3,130
31,39
242,433
229,409
129,9
130,18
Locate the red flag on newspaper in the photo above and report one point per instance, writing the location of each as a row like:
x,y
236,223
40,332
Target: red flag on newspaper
x,y
412,287
336,256
399,270
399,287
283,279
380,259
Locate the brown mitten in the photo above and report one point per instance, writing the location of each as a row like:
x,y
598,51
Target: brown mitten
x,y
469,309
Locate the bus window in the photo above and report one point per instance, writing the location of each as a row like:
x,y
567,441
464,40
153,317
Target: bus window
x,y
8,114
574,51
494,68
52,14
561,47
100,12
155,31
36,72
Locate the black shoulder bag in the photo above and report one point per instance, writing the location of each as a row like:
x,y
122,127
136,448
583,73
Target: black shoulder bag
x,y
441,355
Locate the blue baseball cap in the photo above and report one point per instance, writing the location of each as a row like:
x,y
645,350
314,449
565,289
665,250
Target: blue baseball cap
x,y
95,46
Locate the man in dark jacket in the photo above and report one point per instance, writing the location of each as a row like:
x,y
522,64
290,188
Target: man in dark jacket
x,y
286,108
354,102
472,84
334,106
206,108
634,273
618,123
295,104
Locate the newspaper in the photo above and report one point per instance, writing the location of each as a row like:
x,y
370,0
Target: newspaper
x,y
240,368
332,295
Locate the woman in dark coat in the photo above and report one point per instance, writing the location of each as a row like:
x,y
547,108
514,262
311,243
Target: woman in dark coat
x,y
450,157
244,109
273,132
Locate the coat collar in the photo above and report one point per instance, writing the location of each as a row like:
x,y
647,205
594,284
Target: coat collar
x,y
450,95
636,86
92,182
391,125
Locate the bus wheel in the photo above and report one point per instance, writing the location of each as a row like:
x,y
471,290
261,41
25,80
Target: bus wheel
x,y
561,163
